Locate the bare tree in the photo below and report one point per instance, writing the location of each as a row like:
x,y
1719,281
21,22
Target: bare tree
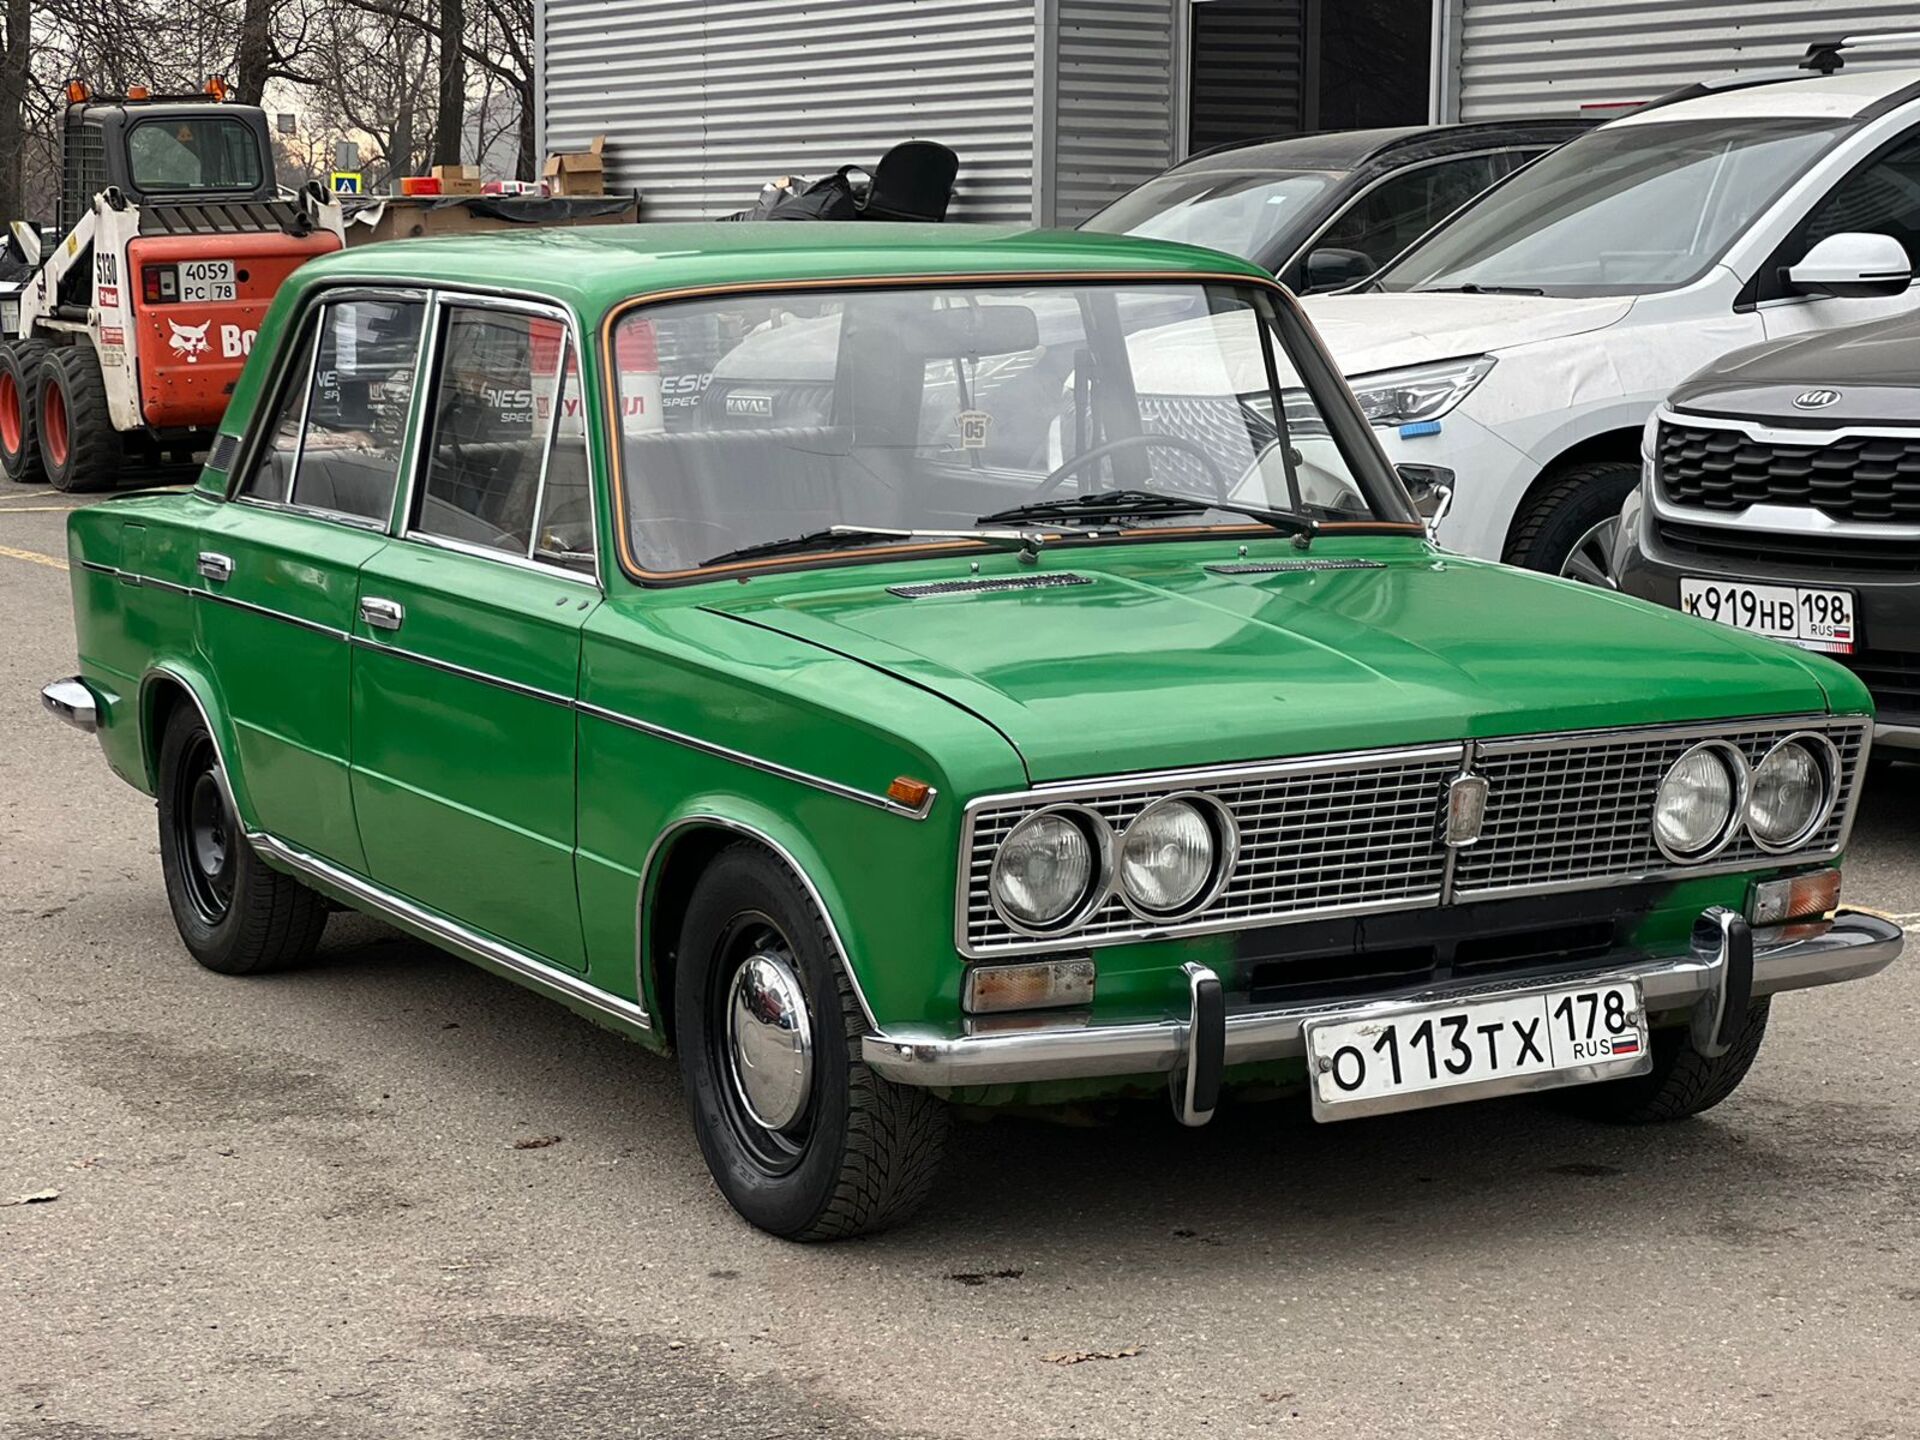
x,y
451,119
15,76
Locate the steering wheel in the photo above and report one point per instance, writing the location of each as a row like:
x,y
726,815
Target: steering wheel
x,y
1077,463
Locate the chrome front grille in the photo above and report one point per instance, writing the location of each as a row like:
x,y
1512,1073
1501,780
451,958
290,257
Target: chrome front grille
x,y
1362,832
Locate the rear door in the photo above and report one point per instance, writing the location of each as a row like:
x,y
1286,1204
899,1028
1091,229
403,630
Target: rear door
x,y
281,562
467,654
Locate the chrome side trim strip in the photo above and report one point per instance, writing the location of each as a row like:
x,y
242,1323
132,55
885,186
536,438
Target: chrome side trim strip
x,y
483,950
512,687
642,961
1854,946
299,622
766,767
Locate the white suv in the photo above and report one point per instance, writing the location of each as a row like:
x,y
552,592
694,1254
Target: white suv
x,y
1523,344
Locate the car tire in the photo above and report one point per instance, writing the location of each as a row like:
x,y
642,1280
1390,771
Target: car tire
x,y
817,1146
1683,1082
235,915
19,411
79,448
1564,529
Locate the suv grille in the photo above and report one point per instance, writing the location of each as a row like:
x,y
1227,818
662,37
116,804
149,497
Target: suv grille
x,y
1857,477
1804,552
1344,834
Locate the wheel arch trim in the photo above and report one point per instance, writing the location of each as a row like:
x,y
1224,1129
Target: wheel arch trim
x,y
760,831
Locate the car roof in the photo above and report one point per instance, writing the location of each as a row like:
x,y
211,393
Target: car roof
x,y
594,267
1350,149
1843,95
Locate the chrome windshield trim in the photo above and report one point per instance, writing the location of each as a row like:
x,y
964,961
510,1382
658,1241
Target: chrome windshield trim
x,y
767,767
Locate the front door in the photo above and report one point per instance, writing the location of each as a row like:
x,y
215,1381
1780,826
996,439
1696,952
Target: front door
x,y
280,565
467,654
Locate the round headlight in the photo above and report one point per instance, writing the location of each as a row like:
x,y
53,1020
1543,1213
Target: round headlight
x,y
1171,853
1044,873
1790,794
1694,808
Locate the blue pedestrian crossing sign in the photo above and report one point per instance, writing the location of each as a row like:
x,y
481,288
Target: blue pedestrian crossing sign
x,y
346,182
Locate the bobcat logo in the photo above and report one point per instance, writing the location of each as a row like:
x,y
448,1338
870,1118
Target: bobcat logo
x,y
189,340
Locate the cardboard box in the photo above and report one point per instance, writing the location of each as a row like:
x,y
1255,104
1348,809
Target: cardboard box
x,y
395,218
578,172
457,179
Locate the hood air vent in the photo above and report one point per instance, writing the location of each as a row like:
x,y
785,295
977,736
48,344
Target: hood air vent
x,y
979,587
1287,567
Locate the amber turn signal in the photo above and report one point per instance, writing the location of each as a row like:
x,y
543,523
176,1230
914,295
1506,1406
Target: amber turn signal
x,y
1039,986
1803,897
908,792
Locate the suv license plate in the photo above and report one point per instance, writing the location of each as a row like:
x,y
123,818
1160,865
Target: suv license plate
x,y
1404,1058
1812,618
206,280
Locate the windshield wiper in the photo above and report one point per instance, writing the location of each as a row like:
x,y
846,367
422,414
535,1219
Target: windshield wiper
x,y
837,537
1141,504
1472,289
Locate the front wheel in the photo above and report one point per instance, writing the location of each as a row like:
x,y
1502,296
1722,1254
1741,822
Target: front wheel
x,y
235,915
1683,1082
1569,528
802,1138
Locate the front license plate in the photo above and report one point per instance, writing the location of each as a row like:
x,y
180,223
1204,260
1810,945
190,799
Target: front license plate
x,y
1813,618
1402,1059
206,280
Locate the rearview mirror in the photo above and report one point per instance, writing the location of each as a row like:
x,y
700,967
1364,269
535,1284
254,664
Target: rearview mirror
x,y
965,331
1853,264
1430,487
1329,268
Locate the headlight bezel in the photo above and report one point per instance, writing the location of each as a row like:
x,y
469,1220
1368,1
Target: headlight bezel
x,y
1094,892
1225,832
1449,381
1739,775
1826,761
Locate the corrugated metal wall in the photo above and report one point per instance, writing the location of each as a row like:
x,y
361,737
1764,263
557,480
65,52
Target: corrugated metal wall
x,y
702,101
1249,70
1549,57
1113,97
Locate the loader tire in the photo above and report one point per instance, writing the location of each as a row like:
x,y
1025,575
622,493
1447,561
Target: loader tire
x,y
20,410
79,447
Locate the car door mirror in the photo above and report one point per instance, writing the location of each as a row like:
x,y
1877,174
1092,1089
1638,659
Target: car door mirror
x,y
1430,487
1853,264
1328,268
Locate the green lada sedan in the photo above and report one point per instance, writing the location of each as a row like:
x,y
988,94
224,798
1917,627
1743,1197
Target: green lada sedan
x,y
890,667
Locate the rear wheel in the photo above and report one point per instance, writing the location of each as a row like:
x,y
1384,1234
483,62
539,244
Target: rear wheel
x,y
1569,527
79,448
235,915
19,414
802,1138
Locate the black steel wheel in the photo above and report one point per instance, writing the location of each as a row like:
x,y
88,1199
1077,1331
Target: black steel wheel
x,y
235,914
802,1138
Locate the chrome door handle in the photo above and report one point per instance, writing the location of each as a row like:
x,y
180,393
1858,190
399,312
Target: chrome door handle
x,y
216,566
382,614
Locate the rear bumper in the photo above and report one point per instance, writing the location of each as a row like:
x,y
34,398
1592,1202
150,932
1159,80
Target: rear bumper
x,y
1699,979
71,701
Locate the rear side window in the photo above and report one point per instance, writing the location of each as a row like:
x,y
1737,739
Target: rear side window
x,y
340,425
506,462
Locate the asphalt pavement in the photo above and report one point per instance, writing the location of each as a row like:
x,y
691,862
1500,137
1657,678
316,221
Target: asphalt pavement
x,y
305,1207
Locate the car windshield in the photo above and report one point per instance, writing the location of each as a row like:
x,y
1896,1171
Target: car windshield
x,y
212,152
1252,214
751,419
1625,210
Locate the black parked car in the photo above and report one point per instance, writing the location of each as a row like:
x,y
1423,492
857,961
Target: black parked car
x,y
1322,211
1781,494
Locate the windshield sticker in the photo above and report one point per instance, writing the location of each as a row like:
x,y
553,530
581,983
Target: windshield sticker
x,y
974,425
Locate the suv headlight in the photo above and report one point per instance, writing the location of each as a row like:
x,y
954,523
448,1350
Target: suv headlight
x,y
1051,869
1420,392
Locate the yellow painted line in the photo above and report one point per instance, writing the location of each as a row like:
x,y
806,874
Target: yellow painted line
x,y
33,557
41,509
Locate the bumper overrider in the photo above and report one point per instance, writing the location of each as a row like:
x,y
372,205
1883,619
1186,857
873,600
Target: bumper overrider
x,y
1725,965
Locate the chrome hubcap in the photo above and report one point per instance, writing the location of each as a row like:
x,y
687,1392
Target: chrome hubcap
x,y
1591,559
769,1041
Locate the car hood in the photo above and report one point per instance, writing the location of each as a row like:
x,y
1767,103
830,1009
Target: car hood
x,y
1125,659
1369,332
1860,374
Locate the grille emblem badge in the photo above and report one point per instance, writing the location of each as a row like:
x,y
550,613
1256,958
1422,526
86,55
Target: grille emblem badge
x,y
1466,809
1815,399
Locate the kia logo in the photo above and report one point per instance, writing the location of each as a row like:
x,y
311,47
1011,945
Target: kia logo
x,y
1815,399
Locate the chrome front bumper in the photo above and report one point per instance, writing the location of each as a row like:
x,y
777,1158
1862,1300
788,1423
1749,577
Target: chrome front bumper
x,y
72,702
1724,963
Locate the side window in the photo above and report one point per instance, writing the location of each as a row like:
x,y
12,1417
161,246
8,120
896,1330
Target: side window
x,y
506,467
272,475
1882,197
337,439
1403,207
